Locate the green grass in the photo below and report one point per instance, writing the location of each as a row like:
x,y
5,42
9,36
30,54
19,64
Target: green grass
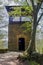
x,y
33,63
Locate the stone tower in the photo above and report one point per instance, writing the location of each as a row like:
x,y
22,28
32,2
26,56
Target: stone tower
x,y
17,39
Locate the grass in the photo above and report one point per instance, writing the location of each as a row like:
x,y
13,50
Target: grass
x,y
33,63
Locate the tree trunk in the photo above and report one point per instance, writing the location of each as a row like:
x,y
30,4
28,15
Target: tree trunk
x,y
31,48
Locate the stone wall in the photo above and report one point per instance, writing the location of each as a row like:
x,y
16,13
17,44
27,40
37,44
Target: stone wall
x,y
16,32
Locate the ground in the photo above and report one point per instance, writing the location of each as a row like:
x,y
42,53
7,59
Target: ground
x,y
10,58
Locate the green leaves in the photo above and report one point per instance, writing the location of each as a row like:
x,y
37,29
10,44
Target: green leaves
x,y
27,26
27,10
34,63
16,12
21,11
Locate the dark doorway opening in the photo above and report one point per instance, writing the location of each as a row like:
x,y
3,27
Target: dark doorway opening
x,y
21,44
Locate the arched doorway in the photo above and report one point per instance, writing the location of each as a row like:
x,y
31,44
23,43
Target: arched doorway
x,y
21,44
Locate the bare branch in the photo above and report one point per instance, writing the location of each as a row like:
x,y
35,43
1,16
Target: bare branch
x,y
39,18
38,6
27,2
33,4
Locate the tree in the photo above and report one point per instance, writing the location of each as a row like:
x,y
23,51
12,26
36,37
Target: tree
x,y
36,6
34,15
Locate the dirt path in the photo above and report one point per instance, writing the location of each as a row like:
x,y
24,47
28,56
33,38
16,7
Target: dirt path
x,y
11,59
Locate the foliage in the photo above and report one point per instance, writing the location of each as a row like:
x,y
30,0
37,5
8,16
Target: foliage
x,y
21,11
27,26
16,11
33,63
